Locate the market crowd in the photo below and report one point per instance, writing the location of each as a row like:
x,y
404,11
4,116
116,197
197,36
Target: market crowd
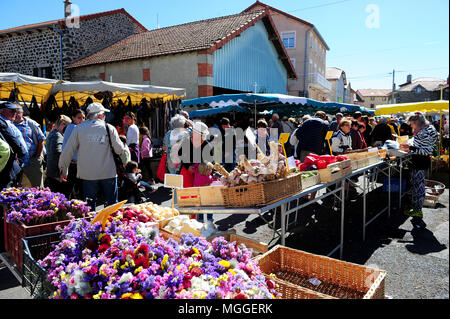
x,y
83,155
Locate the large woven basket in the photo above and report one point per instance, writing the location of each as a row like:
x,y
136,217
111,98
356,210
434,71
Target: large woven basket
x,y
295,269
261,194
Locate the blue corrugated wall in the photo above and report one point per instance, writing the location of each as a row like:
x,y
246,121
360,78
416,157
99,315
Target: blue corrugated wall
x,y
247,59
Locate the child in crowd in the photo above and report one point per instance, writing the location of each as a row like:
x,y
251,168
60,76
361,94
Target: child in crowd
x,y
203,177
126,156
134,176
203,174
146,153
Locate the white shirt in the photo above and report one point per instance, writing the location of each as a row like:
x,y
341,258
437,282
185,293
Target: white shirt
x,y
133,135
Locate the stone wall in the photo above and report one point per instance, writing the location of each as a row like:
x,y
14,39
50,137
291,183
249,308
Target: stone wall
x,y
22,52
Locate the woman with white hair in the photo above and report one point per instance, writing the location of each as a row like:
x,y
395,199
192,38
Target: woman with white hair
x,y
176,133
425,139
194,150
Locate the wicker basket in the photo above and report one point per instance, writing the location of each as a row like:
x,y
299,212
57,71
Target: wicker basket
x,y
261,194
338,279
434,188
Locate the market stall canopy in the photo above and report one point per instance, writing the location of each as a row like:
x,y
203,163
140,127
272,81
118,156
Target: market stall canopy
x,y
83,90
218,110
292,105
25,86
430,106
238,99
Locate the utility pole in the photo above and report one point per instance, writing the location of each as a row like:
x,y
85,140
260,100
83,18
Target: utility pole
x,y
393,87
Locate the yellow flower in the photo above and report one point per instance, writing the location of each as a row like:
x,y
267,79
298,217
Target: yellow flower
x,y
223,277
199,295
138,270
97,296
125,265
136,296
232,271
195,264
116,264
224,263
102,270
164,261
127,295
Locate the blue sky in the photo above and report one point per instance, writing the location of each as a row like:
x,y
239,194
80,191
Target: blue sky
x,y
367,38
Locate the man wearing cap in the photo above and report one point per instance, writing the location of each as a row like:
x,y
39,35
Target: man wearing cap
x,y
95,167
34,138
334,126
11,135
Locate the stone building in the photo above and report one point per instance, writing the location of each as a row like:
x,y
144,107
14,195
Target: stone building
x,y
307,50
370,98
339,91
231,54
418,90
45,49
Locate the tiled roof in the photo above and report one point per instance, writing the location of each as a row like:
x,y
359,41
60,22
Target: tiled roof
x,y
374,92
210,34
62,21
258,3
333,73
429,84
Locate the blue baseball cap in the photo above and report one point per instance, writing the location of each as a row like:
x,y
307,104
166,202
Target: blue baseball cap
x,y
10,106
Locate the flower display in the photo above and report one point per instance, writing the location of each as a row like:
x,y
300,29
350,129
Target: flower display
x,y
35,206
131,260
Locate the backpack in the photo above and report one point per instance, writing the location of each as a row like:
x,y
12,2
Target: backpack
x,y
5,153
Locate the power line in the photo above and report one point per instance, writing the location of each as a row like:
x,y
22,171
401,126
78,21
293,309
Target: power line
x,y
320,6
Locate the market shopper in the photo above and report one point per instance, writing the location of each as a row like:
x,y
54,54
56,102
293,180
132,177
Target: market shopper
x,y
146,152
381,133
193,150
228,144
95,166
54,151
425,139
171,142
311,136
73,182
132,136
334,126
358,141
341,142
33,167
18,149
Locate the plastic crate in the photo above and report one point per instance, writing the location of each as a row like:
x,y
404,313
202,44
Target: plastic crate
x,y
34,277
395,185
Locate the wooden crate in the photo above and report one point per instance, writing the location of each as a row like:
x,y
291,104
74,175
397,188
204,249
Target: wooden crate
x,y
335,171
310,181
200,196
261,194
336,278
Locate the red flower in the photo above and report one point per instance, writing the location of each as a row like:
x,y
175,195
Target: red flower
x,y
188,275
142,261
240,296
143,250
196,272
186,284
93,270
143,218
106,240
92,245
125,254
270,284
74,296
104,247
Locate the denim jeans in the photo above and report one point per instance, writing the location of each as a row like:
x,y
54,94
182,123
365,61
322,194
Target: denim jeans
x,y
209,217
109,188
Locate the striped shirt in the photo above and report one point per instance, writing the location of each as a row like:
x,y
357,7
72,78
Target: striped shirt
x,y
425,141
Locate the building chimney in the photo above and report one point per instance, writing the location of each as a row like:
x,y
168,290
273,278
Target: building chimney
x,y
67,8
409,78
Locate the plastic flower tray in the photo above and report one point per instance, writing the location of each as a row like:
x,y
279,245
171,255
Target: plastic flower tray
x,y
34,277
15,232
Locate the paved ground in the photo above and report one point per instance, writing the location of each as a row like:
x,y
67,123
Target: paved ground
x,y
416,261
